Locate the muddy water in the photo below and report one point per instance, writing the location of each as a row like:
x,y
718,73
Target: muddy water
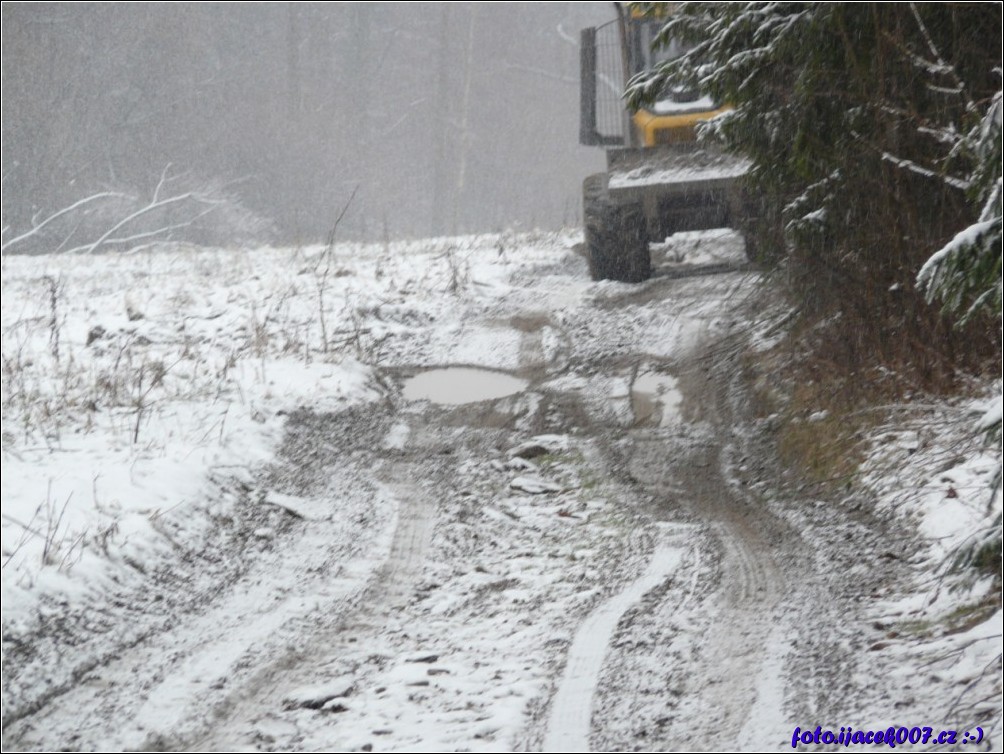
x,y
454,386
656,399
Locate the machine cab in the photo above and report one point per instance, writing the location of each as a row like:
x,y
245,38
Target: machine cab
x,y
610,55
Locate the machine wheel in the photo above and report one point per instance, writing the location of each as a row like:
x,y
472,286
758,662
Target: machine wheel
x,y
745,218
616,236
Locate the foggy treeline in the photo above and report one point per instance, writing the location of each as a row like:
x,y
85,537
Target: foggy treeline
x,y
265,118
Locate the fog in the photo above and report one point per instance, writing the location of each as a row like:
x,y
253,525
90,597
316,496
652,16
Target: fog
x,y
227,123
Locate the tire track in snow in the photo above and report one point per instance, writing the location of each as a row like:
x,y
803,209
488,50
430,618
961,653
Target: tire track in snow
x,y
187,681
733,643
749,629
570,720
407,550
385,595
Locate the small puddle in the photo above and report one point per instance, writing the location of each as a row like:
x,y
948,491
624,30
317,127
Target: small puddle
x,y
656,396
454,386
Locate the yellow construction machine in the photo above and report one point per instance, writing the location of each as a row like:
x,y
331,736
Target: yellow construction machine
x,y
658,180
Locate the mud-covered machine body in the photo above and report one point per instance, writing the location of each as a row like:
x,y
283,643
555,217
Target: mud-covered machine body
x,y
658,182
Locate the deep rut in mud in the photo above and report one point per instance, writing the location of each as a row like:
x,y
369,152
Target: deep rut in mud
x,y
726,568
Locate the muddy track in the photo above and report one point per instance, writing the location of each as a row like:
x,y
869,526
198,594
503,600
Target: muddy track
x,y
726,566
240,721
570,721
733,657
639,598
164,692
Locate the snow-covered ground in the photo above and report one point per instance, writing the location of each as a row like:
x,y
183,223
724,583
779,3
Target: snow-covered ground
x,y
134,387
232,519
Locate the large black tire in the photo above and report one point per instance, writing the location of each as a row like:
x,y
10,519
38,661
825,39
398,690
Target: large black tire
x,y
616,235
747,218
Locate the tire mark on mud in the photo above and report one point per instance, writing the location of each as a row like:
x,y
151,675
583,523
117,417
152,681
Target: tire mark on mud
x,y
747,628
733,636
173,688
686,469
570,720
398,576
384,596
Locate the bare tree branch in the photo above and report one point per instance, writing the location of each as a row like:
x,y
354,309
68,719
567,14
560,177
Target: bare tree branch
x,y
144,234
60,213
160,183
153,205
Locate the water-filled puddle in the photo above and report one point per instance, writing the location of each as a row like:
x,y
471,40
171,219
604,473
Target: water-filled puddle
x,y
453,386
656,397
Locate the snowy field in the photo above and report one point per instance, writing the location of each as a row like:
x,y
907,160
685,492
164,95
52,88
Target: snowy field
x,y
136,386
134,383
343,564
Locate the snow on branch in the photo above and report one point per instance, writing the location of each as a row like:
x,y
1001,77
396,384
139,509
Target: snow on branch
x,y
966,272
141,236
108,225
154,204
56,215
913,167
942,67
968,268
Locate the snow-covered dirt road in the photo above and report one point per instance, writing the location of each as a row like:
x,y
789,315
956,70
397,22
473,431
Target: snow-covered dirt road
x,y
593,556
